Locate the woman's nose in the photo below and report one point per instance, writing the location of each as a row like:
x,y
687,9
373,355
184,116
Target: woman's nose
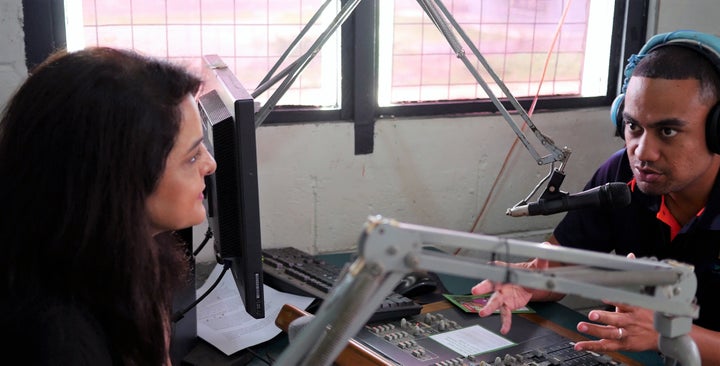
x,y
210,165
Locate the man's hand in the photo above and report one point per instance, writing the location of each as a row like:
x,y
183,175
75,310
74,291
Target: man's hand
x,y
628,328
508,297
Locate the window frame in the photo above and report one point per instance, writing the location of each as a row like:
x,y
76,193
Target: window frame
x,y
44,28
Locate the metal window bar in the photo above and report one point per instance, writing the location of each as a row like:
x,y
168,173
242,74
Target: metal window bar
x,y
293,71
440,16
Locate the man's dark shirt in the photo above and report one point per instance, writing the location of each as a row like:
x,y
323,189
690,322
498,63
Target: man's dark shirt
x,y
636,229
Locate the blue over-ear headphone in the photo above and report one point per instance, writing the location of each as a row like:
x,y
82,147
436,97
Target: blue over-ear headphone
x,y
705,44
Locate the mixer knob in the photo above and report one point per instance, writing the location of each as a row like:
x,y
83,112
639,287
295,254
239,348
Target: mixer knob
x,y
416,330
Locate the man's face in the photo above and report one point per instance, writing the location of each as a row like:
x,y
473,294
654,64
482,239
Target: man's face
x,y
664,126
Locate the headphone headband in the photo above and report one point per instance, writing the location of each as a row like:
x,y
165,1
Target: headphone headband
x,y
702,42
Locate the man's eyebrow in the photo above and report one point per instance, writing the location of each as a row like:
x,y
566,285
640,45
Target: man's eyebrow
x,y
669,122
663,123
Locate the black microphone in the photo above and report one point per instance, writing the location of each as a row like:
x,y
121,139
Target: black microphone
x,y
609,195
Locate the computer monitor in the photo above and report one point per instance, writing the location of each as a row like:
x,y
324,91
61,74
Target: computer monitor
x,y
231,196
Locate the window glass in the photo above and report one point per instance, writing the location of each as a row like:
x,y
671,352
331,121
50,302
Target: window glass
x,y
249,35
415,61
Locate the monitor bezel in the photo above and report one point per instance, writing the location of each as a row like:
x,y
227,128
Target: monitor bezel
x,y
232,192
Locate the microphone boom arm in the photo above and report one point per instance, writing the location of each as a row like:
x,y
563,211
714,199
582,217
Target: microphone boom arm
x,y
445,22
388,250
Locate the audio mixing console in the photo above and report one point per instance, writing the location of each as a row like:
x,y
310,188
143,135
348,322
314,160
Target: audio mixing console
x,y
451,337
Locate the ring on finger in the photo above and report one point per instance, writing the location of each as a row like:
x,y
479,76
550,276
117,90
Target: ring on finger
x,y
620,333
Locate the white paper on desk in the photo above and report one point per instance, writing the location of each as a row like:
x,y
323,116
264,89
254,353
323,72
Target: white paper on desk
x,y
223,322
472,340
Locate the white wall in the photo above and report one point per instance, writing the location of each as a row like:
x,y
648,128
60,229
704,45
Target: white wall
x,y
316,194
699,15
12,44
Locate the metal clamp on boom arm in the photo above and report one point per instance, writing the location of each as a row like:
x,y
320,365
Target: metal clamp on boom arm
x,y
388,250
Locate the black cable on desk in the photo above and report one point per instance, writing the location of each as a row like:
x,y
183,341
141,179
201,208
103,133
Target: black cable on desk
x,y
180,314
208,235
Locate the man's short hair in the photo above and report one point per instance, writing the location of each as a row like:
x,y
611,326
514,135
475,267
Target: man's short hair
x,y
676,62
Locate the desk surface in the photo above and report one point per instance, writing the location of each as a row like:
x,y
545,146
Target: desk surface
x,y
552,315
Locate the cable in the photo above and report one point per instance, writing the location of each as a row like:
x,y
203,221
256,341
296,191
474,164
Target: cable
x,y
208,235
180,314
547,59
522,128
507,259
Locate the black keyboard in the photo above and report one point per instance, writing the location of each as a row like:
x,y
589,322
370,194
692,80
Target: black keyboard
x,y
293,271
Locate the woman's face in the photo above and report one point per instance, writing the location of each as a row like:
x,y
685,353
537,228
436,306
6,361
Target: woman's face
x,y
177,202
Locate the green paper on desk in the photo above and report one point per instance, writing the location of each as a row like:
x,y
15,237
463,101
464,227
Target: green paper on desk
x,y
473,303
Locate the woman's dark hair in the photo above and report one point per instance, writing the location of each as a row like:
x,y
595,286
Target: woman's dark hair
x,y
83,143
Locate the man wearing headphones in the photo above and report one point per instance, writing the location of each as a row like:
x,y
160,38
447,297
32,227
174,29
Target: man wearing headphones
x,y
668,116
